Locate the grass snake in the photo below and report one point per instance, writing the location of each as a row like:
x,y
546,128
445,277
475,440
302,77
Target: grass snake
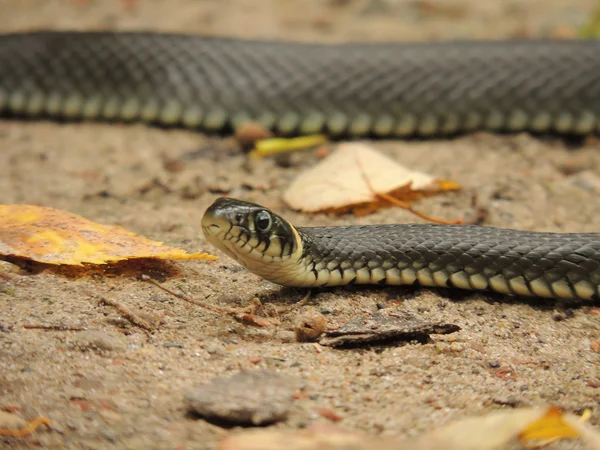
x,y
380,89
368,89
513,262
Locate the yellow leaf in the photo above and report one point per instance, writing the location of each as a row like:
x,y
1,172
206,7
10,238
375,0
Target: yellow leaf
x,y
550,426
274,146
52,236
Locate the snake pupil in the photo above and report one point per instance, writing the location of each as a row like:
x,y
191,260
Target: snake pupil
x,y
263,221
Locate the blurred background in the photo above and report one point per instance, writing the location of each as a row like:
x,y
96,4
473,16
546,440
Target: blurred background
x,y
321,20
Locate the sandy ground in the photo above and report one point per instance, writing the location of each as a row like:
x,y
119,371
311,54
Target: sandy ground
x,y
509,353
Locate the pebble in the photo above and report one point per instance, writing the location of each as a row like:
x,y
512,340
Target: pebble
x,y
558,316
215,349
249,132
309,326
98,340
247,398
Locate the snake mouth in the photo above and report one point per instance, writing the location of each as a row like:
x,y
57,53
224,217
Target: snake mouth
x,y
212,227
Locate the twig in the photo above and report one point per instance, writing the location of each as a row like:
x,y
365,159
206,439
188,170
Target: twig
x,y
127,313
401,204
214,309
299,303
27,429
52,327
243,315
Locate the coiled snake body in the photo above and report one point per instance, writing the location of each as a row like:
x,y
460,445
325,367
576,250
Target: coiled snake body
x,y
510,262
378,89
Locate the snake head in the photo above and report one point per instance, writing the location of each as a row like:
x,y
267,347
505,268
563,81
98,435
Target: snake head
x,y
249,233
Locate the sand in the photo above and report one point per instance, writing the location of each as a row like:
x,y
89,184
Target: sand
x,y
130,392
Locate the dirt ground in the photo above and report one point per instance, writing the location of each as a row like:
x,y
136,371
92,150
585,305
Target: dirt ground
x,y
509,353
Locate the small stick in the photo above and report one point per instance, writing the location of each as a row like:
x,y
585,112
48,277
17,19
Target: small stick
x,y
51,327
214,309
401,204
127,313
299,303
27,430
244,315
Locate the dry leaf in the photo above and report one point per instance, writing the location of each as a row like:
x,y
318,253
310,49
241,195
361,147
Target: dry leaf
x,y
52,236
493,431
354,176
497,429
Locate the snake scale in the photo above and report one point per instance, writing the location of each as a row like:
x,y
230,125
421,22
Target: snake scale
x,y
387,90
215,84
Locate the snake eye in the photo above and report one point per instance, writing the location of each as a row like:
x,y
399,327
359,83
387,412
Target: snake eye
x,y
263,221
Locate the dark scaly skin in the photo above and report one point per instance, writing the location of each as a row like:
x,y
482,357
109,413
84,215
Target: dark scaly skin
x,y
512,262
349,89
521,262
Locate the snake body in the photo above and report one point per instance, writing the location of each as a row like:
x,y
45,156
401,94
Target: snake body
x,y
512,262
216,84
390,90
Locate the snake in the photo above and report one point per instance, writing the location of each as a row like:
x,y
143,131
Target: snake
x,y
512,262
392,90
389,89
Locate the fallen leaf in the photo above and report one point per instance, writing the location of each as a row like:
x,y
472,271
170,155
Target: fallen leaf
x,y
497,429
551,425
492,431
56,237
355,177
275,146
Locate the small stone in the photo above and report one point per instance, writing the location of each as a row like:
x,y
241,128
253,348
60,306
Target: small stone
x,y
457,347
586,180
248,398
249,132
215,349
420,363
98,340
558,316
173,345
273,363
310,326
478,347
109,435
